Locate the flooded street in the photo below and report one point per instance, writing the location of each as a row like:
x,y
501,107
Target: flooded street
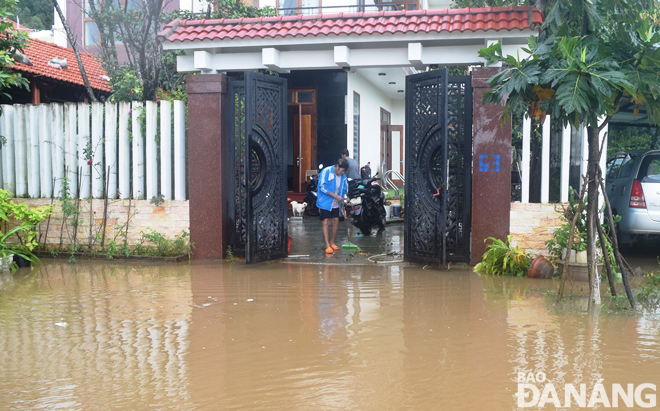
x,y
218,336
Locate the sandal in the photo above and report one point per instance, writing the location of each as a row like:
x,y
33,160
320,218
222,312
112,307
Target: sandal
x,y
335,247
329,250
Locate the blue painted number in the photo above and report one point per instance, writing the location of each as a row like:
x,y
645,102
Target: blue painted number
x,y
496,163
484,167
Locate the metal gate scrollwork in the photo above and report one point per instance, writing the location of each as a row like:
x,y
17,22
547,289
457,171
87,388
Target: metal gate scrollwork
x,y
438,167
257,119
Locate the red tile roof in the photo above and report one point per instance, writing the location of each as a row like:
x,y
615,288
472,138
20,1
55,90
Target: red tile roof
x,y
40,52
382,22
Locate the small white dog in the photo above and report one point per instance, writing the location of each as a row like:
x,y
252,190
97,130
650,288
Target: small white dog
x,y
298,209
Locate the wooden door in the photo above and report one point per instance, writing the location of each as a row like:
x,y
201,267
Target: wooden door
x,y
302,106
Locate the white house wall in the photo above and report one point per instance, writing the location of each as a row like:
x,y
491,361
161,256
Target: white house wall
x,y
398,118
371,101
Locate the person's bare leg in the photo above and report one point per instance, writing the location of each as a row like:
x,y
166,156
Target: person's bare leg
x,y
335,226
324,228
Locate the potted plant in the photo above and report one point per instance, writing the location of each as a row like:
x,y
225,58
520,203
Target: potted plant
x,y
387,204
558,245
502,258
28,219
10,250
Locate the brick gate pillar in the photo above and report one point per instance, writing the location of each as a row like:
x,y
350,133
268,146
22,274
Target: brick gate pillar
x,y
491,167
207,97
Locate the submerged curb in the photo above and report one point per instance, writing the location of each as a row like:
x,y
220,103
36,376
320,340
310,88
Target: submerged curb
x,y
100,256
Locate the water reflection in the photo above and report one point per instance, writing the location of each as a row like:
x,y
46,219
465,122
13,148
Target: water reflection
x,y
276,336
87,335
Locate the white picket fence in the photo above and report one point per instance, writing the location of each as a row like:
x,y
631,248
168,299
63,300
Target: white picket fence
x,y
545,159
95,139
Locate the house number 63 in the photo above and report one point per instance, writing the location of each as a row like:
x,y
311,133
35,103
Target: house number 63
x,y
493,165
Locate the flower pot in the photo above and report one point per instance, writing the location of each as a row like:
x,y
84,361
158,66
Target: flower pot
x,y
580,272
388,216
396,210
577,257
541,267
21,262
5,262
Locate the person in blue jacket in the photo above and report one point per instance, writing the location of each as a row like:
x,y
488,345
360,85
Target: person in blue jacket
x,y
330,200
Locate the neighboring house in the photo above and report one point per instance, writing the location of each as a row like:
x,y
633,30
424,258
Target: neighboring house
x,y
55,36
86,32
54,76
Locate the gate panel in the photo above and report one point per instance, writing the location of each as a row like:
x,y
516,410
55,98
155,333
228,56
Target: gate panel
x,y
438,168
459,149
237,146
265,174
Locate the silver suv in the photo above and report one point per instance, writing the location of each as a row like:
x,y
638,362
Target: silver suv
x,y
633,186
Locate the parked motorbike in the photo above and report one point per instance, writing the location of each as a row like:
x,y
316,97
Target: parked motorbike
x,y
366,204
311,195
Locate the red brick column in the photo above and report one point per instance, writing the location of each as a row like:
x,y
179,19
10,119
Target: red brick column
x,y
207,96
491,168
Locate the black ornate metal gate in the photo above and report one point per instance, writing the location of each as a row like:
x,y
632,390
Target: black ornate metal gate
x,y
257,146
438,154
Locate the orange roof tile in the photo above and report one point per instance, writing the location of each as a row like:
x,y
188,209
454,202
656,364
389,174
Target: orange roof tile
x,y
365,23
40,52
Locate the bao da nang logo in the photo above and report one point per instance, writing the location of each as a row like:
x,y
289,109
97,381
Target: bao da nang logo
x,y
534,390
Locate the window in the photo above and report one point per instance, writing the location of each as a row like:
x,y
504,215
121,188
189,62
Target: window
x,y
649,172
132,4
613,167
356,127
301,97
397,4
305,97
302,6
626,167
91,33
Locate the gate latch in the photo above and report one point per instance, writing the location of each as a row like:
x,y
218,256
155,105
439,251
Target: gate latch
x,y
438,193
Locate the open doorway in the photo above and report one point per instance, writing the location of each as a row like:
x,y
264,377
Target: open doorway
x,y
302,137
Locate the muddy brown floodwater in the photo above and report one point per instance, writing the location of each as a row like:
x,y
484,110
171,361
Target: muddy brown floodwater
x,y
219,336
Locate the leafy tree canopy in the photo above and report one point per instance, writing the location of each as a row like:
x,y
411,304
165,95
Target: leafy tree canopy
x,y
625,138
35,14
150,71
588,57
11,41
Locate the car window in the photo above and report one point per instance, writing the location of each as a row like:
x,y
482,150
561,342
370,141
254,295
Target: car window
x,y
608,167
626,167
649,172
613,168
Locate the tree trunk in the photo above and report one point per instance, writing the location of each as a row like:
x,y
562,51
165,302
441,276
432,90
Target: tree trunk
x,y
592,217
74,46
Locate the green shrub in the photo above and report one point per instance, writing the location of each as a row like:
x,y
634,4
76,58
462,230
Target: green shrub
x,y
502,259
650,289
154,243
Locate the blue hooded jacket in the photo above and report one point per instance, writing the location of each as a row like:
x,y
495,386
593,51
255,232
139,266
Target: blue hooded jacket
x,y
328,184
